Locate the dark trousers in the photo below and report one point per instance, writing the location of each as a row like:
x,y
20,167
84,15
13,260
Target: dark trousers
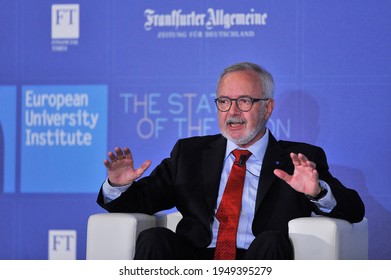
x,y
163,244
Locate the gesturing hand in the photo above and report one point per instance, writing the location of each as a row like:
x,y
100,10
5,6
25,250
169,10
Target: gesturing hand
x,y
305,176
120,167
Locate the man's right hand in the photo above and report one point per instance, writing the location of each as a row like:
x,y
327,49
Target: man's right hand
x,y
120,167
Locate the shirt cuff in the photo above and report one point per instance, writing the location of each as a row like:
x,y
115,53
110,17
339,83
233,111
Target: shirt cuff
x,y
110,193
328,202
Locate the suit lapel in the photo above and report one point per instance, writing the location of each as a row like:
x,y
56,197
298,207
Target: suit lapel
x,y
212,165
275,157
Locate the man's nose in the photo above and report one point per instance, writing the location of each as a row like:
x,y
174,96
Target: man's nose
x,y
234,108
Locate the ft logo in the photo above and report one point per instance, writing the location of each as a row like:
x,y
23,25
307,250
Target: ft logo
x,y
62,245
65,21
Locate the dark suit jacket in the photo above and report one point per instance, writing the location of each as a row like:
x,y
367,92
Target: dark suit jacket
x,y
189,180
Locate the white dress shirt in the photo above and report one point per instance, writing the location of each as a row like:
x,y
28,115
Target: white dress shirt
x,y
253,170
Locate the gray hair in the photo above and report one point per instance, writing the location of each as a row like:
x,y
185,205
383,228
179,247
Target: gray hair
x,y
265,77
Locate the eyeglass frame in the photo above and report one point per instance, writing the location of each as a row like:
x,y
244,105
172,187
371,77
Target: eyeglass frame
x,y
253,100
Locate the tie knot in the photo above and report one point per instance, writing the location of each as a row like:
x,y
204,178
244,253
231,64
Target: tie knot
x,y
241,156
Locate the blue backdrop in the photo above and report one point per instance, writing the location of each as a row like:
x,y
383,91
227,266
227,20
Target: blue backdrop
x,y
80,77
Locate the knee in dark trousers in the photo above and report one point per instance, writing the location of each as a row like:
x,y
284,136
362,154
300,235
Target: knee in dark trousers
x,y
161,244
270,245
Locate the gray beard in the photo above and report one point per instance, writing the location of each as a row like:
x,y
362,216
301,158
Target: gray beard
x,y
246,138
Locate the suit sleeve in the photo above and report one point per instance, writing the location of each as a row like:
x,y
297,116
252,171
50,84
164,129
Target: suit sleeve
x,y
349,206
150,194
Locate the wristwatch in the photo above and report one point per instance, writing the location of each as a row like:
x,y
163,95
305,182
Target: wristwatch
x,y
320,195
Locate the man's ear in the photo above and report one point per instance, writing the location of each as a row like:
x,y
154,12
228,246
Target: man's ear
x,y
269,108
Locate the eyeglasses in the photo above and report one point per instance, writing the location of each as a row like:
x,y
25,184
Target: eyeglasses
x,y
244,103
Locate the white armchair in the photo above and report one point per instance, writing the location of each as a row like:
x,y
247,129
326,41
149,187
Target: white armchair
x,y
112,236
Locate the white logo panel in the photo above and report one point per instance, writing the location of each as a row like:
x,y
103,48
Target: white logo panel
x,y
65,21
62,244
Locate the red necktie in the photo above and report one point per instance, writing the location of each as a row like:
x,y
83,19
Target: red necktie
x,y
229,209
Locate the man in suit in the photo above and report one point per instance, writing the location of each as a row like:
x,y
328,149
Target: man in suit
x,y
284,180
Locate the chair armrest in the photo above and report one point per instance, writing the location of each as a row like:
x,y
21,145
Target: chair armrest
x,y
169,220
328,238
112,236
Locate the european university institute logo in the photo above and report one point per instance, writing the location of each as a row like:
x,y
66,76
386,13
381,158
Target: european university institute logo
x,y
65,26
